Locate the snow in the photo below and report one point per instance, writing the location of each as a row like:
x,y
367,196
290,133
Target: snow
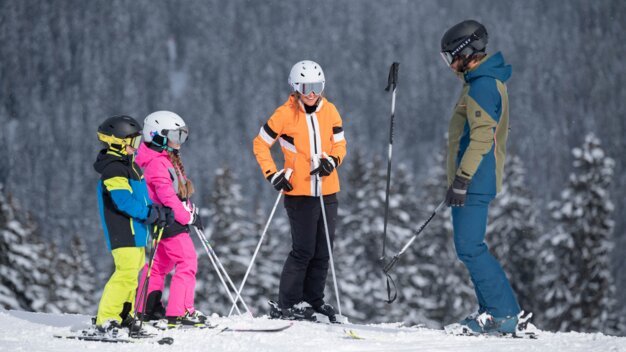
x,y
24,331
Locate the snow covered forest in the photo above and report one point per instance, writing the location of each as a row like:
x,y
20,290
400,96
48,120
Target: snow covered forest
x,y
558,227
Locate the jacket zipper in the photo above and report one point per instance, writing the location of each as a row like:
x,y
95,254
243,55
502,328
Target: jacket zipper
x,y
314,148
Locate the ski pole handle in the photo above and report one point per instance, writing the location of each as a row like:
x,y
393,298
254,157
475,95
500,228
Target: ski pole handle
x,y
392,80
288,174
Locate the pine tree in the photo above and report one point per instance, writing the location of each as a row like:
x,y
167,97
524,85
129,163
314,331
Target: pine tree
x,y
264,277
72,288
231,235
22,283
513,230
576,288
358,239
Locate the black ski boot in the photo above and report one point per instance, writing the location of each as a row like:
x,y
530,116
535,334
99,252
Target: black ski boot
x,y
327,310
300,311
134,326
154,309
275,312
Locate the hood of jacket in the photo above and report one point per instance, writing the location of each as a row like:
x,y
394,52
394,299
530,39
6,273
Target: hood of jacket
x,y
491,66
104,158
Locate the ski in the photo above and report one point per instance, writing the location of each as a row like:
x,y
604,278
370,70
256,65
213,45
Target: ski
x,y
457,329
84,336
259,329
352,334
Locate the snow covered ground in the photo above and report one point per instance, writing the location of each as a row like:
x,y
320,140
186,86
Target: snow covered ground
x,y
23,331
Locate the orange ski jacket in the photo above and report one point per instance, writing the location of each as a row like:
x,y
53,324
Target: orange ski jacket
x,y
303,138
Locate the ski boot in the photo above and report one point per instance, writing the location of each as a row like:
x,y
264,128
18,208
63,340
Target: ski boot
x,y
470,317
112,329
327,310
275,312
525,329
136,328
197,319
485,324
154,309
300,311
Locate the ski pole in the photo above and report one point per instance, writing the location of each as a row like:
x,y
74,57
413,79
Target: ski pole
x,y
213,258
258,246
219,263
143,296
330,251
394,260
392,81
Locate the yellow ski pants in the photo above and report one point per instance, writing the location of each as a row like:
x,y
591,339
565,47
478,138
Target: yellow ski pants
x,y
122,286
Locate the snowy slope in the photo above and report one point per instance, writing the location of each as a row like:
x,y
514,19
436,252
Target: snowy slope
x,y
22,331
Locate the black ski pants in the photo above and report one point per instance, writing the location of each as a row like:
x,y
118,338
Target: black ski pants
x,y
305,270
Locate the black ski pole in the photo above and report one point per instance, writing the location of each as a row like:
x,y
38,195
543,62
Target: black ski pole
x,y
143,296
395,258
392,82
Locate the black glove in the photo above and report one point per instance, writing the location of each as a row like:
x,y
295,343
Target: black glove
x,y
455,197
168,217
196,219
327,166
279,181
155,215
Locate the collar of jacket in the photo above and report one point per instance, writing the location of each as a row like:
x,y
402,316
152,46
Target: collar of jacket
x,y
145,155
295,100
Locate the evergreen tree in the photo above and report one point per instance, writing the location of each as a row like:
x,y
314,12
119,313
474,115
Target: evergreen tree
x,y
575,289
231,234
358,240
22,283
73,282
264,276
513,230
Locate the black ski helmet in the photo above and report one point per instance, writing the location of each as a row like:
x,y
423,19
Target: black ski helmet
x,y
466,38
116,131
120,126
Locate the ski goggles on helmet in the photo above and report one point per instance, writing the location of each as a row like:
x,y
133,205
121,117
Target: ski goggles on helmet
x,y
308,88
117,142
447,57
134,141
178,136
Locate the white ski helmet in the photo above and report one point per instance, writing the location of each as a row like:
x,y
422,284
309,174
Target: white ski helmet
x,y
307,76
161,126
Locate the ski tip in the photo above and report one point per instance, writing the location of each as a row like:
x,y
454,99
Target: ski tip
x,y
352,334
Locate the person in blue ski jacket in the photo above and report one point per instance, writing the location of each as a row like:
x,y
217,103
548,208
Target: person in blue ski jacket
x,y
127,213
476,150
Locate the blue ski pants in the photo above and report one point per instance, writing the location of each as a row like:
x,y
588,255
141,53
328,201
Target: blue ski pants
x,y
493,290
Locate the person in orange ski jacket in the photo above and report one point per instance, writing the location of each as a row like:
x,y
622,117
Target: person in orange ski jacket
x,y
310,132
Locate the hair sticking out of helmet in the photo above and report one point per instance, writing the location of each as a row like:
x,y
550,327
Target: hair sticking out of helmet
x,y
464,39
306,77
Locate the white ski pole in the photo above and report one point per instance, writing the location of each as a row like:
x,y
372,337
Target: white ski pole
x,y
258,246
330,251
230,281
215,266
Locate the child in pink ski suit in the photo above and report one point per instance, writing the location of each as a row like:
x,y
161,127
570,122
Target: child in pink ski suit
x,y
164,132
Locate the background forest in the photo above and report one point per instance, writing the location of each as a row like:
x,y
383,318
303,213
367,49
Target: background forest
x,y
559,226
